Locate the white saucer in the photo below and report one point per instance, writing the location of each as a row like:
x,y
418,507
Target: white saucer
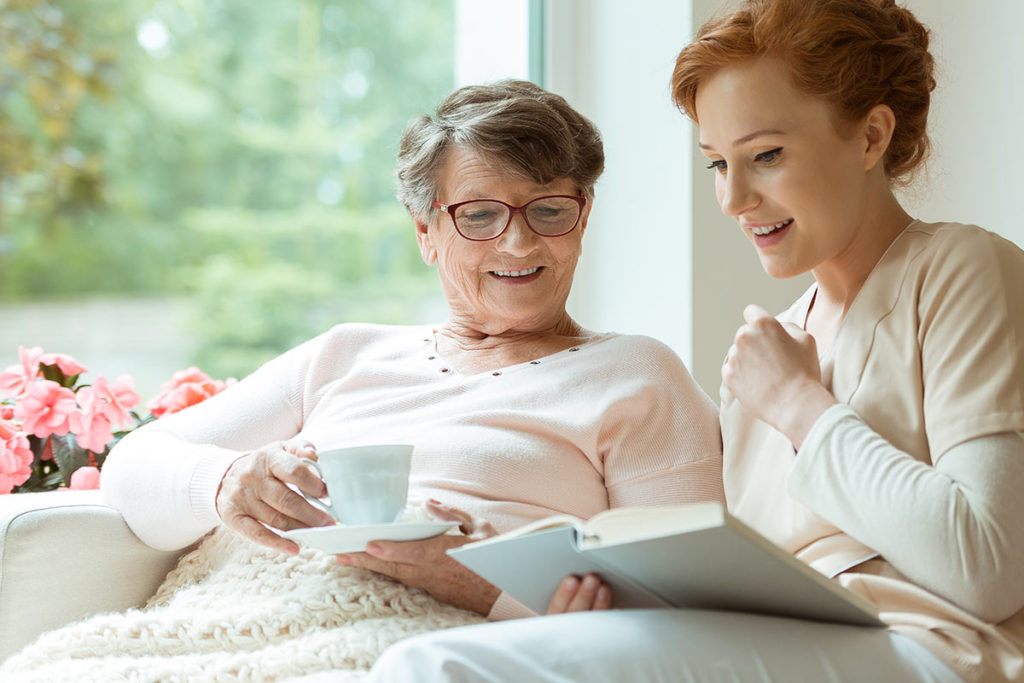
x,y
353,539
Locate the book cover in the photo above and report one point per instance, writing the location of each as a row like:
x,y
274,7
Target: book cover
x,y
696,556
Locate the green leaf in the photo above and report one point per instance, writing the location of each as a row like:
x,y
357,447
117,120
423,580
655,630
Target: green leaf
x,y
37,445
51,481
52,373
68,455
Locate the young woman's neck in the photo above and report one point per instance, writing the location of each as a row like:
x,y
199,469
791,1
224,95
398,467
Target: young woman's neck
x,y
840,279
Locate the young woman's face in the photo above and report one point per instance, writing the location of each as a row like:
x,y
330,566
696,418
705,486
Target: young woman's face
x,y
796,186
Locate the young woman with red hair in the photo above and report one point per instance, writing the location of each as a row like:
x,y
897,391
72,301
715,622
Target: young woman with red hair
x,y
876,428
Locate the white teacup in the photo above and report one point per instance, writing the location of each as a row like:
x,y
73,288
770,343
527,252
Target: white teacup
x,y
366,484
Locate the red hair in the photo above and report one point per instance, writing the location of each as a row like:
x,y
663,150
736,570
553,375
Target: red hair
x,y
855,54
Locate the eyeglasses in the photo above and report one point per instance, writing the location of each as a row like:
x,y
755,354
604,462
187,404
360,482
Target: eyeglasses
x,y
480,220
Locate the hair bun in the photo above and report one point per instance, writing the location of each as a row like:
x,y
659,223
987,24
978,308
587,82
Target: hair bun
x,y
855,54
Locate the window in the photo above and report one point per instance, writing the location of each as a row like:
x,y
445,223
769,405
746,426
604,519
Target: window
x,y
209,182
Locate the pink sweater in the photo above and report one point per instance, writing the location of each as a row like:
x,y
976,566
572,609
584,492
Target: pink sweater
x,y
616,421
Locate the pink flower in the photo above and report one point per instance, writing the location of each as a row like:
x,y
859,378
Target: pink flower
x,y
115,400
91,426
46,408
15,457
85,478
185,388
16,378
66,364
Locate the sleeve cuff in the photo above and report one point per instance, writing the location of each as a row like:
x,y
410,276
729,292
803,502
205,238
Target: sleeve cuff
x,y
818,436
507,607
211,465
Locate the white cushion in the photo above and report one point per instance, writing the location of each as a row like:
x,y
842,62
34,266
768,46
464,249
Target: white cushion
x,y
65,555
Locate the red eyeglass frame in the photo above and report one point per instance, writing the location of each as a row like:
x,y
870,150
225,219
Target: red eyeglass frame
x,y
512,211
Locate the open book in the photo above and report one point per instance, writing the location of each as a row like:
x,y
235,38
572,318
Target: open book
x,y
695,556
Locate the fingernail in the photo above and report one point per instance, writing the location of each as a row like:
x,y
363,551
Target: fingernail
x,y
434,501
374,549
591,582
569,583
344,559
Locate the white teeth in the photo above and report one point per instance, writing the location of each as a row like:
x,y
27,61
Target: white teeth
x,y
516,273
769,229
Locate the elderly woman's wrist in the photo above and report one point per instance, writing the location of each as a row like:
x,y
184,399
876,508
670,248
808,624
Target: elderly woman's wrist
x,y
484,600
506,607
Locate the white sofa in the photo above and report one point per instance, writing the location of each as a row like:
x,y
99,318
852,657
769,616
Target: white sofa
x,y
65,555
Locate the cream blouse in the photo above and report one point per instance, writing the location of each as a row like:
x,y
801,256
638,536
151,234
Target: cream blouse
x,y
930,356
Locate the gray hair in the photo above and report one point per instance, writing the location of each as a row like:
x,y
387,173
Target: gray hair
x,y
530,132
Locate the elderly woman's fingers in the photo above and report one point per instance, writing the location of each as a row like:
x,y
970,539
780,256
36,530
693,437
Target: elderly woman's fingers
x,y
254,531
266,481
300,447
256,492
425,564
576,595
468,524
259,511
280,507
290,469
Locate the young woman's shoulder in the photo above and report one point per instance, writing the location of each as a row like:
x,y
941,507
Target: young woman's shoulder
x,y
957,259
963,242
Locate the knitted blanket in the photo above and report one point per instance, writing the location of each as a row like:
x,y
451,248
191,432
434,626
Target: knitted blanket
x,y
236,611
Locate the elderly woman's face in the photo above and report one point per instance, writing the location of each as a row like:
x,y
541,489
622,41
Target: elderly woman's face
x,y
518,281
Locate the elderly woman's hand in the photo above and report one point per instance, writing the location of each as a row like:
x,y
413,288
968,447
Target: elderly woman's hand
x,y
425,564
772,370
255,492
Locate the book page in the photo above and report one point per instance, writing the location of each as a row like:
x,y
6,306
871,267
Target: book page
x,y
619,525
552,522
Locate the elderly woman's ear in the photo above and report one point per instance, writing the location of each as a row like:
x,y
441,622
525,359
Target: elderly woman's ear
x,y
423,238
585,216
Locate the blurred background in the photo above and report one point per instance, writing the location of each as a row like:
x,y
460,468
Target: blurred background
x,y
208,181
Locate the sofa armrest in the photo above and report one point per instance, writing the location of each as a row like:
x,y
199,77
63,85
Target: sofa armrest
x,y
65,555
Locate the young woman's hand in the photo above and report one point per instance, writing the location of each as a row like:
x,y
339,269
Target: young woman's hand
x,y
255,492
772,369
580,595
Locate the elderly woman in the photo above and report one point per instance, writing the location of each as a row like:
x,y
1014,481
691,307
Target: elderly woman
x,y
875,429
515,411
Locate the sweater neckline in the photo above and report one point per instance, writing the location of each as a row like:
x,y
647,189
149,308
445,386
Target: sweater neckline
x,y
443,367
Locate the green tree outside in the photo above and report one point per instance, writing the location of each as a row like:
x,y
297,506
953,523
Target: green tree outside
x,y
234,152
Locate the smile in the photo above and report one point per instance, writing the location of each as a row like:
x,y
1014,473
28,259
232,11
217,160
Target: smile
x,y
515,273
769,229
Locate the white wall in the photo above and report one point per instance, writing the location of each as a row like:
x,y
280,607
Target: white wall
x,y
613,64
680,270
491,40
976,174
671,266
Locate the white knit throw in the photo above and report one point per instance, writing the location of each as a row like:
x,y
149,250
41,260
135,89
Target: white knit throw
x,y
236,611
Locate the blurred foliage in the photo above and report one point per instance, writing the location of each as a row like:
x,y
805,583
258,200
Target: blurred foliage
x,y
46,76
236,152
